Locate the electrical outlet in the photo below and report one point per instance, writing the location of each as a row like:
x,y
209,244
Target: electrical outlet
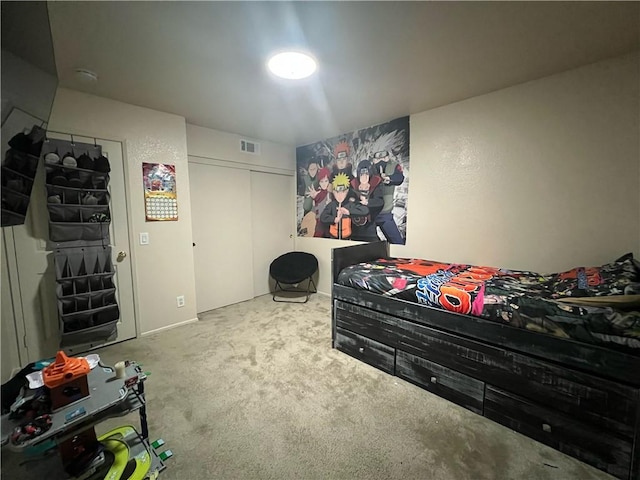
x,y
180,301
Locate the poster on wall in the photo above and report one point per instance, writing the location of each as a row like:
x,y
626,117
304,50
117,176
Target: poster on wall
x,y
355,186
160,197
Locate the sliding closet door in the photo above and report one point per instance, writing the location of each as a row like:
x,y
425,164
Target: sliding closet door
x,y
221,222
272,209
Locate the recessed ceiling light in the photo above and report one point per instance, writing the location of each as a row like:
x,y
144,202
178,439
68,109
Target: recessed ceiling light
x,y
292,65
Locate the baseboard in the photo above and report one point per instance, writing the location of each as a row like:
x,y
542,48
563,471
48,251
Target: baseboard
x,y
169,327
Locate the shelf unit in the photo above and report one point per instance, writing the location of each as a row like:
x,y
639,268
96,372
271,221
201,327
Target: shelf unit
x,y
109,397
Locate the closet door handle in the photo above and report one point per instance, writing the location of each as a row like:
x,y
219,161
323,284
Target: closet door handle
x,y
121,256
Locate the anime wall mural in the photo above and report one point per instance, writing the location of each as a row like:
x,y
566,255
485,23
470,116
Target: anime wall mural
x,y
355,186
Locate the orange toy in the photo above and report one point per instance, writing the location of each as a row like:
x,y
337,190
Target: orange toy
x,y
64,369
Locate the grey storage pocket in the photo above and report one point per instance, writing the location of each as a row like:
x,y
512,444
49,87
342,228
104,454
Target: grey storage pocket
x,y
11,218
16,181
78,213
80,320
93,336
64,213
72,231
76,177
21,162
75,196
14,202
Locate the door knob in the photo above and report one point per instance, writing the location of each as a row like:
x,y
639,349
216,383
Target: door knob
x,y
121,256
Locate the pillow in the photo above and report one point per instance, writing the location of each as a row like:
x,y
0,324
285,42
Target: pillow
x,y
621,277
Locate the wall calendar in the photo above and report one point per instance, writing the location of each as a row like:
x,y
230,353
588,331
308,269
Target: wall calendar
x,y
160,197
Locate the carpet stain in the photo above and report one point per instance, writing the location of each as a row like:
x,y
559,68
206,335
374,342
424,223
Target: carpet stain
x,y
252,356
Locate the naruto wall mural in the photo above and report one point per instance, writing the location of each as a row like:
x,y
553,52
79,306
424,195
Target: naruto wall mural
x,y
355,186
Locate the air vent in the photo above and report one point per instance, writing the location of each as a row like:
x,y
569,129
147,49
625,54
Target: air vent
x,y
248,146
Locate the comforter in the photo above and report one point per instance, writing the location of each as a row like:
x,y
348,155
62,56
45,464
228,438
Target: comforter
x,y
577,304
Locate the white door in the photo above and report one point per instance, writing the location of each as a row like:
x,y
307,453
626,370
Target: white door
x,y
34,259
272,204
221,222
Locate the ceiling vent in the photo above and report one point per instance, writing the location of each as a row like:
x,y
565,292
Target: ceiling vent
x,y
247,146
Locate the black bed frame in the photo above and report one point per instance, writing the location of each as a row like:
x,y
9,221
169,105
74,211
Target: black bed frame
x,y
581,399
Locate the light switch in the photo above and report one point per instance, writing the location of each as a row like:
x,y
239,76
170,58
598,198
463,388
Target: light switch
x,y
144,238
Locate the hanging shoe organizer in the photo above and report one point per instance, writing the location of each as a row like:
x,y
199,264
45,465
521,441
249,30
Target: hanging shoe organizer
x,y
86,295
77,176
19,168
77,179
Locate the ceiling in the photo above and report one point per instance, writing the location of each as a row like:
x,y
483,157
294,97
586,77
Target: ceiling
x,y
377,60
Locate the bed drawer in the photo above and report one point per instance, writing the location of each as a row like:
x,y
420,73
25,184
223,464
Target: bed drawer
x,y
369,351
371,324
444,382
590,444
594,400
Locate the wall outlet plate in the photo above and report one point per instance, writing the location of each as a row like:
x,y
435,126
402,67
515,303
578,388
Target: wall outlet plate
x,y
180,300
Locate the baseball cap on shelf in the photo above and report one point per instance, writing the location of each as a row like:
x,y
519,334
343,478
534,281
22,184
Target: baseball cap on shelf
x,y
85,161
52,158
101,164
69,160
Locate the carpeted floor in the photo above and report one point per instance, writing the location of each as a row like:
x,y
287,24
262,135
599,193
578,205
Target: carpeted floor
x,y
255,391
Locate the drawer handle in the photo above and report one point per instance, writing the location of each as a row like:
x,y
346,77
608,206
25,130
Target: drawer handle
x,y
361,349
434,380
546,427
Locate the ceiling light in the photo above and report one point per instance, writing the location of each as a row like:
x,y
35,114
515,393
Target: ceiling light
x,y
292,65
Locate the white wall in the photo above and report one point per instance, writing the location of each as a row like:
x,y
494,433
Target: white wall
x,y
164,268
541,176
225,147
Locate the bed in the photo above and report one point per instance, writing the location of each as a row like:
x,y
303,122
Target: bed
x,y
572,385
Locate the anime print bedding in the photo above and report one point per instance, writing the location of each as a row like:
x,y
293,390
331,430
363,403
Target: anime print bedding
x,y
576,304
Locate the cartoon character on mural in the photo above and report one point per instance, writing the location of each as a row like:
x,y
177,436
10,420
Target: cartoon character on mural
x,y
379,184
309,183
392,175
321,198
369,193
337,214
311,226
343,164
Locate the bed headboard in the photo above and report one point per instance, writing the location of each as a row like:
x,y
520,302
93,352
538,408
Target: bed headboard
x,y
344,256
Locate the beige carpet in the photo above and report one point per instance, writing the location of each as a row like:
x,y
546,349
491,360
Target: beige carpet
x,y
254,391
